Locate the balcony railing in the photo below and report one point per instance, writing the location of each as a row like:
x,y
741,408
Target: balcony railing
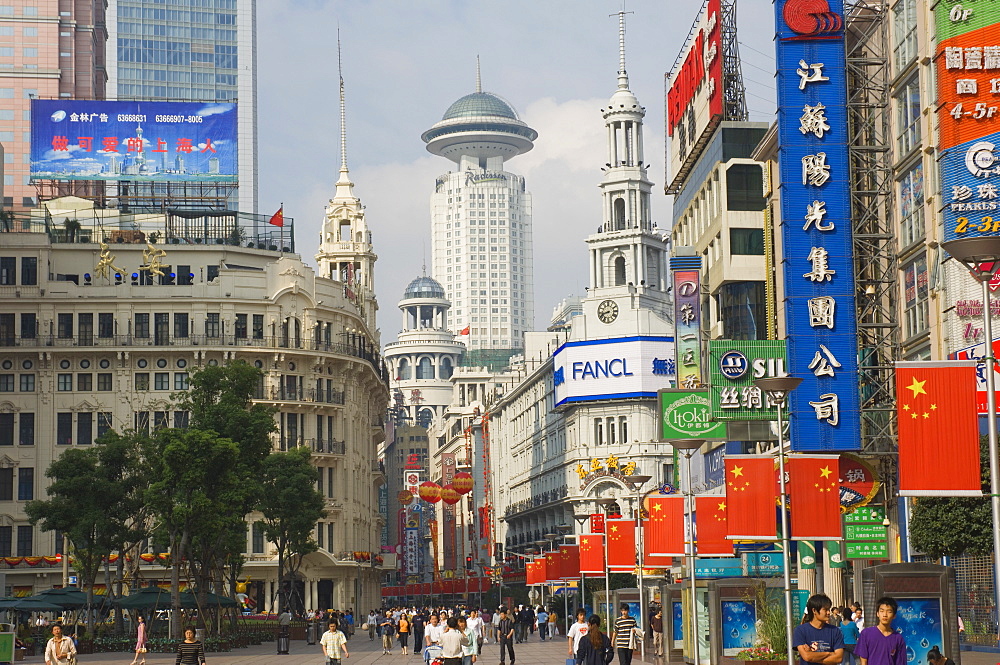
x,y
90,340
287,394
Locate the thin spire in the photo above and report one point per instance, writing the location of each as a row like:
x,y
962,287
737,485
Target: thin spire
x,y
622,74
343,115
479,78
344,184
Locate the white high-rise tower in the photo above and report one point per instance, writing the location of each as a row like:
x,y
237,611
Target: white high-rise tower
x,y
481,224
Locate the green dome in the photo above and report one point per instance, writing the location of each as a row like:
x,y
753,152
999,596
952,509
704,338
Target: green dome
x,y
480,104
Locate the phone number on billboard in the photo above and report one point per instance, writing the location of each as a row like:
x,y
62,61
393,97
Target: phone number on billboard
x,y
180,118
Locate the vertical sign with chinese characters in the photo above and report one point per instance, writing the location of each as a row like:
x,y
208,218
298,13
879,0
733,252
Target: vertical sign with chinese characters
x,y
687,320
816,226
968,77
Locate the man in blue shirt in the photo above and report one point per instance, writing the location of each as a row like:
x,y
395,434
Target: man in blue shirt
x,y
816,640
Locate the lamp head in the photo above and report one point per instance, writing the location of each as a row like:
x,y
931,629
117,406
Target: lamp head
x,y
687,444
981,255
778,387
639,479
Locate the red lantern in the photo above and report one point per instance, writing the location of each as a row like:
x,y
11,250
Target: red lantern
x,y
430,492
462,482
449,495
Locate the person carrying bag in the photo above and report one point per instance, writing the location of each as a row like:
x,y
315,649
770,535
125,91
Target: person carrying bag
x,y
60,649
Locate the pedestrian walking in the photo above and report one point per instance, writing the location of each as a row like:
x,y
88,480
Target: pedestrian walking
x,y
595,648
505,635
372,625
190,651
417,627
333,642
404,633
59,650
387,629
543,623
624,635
140,641
656,625
849,631
577,631
815,639
880,644
452,642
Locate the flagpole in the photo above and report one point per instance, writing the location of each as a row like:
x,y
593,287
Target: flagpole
x,y
777,389
687,447
281,230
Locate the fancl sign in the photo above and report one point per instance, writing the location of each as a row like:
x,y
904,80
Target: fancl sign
x,y
687,414
612,368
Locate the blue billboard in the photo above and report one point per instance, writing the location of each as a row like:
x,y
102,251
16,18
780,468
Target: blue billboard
x,y
919,622
816,226
152,141
970,180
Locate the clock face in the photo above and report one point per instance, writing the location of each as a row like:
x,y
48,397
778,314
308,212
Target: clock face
x,y
607,311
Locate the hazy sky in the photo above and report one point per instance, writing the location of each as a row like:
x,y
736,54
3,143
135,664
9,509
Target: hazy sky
x,y
406,61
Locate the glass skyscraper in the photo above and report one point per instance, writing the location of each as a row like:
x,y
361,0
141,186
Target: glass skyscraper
x,y
190,50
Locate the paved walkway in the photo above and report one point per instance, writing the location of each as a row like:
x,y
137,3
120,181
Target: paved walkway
x,y
366,652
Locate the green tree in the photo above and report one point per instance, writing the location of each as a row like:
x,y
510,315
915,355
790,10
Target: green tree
x,y
220,401
194,491
942,526
291,506
95,501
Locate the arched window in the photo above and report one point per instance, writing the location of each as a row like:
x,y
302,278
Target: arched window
x,y
619,214
425,368
446,368
403,373
620,271
424,417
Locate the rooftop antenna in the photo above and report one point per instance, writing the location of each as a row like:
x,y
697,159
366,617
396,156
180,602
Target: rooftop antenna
x,y
343,115
479,78
344,184
622,74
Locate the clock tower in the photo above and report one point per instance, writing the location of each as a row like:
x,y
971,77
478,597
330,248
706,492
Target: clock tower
x,y
628,253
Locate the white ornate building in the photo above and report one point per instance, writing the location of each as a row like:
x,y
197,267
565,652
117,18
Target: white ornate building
x,y
481,223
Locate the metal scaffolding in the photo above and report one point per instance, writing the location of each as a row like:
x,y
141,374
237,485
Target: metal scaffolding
x,y
875,253
734,95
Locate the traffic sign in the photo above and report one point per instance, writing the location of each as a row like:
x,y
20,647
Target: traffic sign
x,y
866,532
873,550
865,514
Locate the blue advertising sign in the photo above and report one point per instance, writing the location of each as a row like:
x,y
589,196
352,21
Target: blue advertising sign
x,y
918,620
816,226
970,180
739,628
708,568
677,622
763,564
155,141
715,467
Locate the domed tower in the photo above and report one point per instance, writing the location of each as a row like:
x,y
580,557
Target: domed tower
x,y
425,354
481,224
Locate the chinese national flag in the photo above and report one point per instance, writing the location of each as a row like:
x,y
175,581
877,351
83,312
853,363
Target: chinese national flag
x,y
531,573
621,545
278,218
664,530
814,497
540,572
553,568
651,561
712,526
592,554
465,330
569,565
751,497
938,429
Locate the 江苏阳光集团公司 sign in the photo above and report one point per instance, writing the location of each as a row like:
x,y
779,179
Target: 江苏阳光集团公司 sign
x,y
687,414
816,229
637,366
75,139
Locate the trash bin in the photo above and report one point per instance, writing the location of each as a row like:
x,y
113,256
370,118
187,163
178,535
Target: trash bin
x,y
283,642
311,630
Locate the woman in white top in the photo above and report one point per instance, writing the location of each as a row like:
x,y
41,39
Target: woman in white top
x,y
452,642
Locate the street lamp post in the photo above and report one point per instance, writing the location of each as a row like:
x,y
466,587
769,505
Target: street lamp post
x,y
982,257
688,447
581,519
607,504
777,389
541,550
639,481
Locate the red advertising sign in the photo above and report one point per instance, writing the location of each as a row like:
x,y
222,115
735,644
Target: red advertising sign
x,y
597,523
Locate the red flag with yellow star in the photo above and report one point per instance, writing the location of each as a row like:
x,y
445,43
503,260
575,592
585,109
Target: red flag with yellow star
x,y
621,545
712,526
592,554
814,496
663,532
553,568
531,573
569,562
540,573
751,497
938,429
653,564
